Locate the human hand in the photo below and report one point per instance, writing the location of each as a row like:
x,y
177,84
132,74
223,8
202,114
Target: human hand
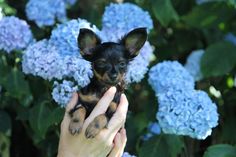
x,y
100,146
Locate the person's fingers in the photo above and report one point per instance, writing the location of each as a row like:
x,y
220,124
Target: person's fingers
x,y
124,140
72,102
119,144
101,106
118,119
70,105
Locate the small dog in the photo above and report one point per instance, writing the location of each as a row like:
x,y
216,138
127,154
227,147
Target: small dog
x,y
109,62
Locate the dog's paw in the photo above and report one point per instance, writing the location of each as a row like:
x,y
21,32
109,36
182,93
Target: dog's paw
x,y
75,126
96,126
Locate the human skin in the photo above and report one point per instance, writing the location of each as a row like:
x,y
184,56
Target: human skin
x,y
110,142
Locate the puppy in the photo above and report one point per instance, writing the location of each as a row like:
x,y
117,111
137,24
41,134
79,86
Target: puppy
x,y
109,62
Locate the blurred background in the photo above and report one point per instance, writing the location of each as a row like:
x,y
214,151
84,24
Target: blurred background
x,y
30,118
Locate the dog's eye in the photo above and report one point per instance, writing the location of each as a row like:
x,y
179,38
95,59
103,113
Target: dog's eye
x,y
101,63
122,64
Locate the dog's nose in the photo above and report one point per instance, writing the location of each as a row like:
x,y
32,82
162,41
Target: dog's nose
x,y
113,76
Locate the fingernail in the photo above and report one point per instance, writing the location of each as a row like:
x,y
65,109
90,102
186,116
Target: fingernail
x,y
113,89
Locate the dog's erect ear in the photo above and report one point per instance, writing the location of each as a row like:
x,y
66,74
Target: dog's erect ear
x,y
134,41
87,40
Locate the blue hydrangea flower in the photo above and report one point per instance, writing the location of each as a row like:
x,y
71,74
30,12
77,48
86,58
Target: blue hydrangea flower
x,y
15,34
153,129
187,112
78,68
64,37
231,38
139,66
170,74
193,64
62,93
126,154
42,59
45,12
124,17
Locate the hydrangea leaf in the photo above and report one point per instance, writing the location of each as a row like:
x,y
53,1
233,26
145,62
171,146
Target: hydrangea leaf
x,y
220,150
219,59
166,145
5,122
164,11
18,87
209,15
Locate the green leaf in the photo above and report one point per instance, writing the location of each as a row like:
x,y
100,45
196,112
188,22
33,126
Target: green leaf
x,y
220,150
5,122
164,11
166,145
38,119
18,87
209,15
41,117
219,59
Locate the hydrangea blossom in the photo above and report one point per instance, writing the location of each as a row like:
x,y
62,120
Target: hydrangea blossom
x,y
45,12
62,93
64,37
153,129
124,17
15,34
126,154
42,59
185,112
168,74
231,38
139,66
193,64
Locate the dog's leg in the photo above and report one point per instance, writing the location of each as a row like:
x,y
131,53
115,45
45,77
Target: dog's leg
x,y
77,119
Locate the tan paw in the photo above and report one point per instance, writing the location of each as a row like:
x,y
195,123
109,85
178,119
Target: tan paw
x,y
75,126
96,126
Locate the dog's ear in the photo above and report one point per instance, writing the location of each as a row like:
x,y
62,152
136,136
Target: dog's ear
x,y
87,40
134,41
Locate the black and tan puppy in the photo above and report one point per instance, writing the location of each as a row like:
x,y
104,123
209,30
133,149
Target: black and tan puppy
x,y
109,62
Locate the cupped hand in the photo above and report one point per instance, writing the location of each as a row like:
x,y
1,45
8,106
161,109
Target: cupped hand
x,y
112,139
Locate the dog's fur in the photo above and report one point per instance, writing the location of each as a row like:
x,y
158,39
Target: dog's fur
x,y
109,63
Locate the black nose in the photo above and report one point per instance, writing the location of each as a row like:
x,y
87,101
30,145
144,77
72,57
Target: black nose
x,y
113,76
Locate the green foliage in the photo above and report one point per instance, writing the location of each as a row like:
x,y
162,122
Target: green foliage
x,y
29,117
216,55
166,145
220,150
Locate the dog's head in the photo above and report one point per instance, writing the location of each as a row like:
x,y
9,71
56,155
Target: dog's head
x,y
110,60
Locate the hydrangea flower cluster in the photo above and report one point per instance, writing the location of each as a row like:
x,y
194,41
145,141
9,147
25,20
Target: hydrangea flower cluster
x,y
118,20
182,109
15,34
62,92
153,129
189,113
64,36
126,154
193,64
45,12
125,17
170,75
